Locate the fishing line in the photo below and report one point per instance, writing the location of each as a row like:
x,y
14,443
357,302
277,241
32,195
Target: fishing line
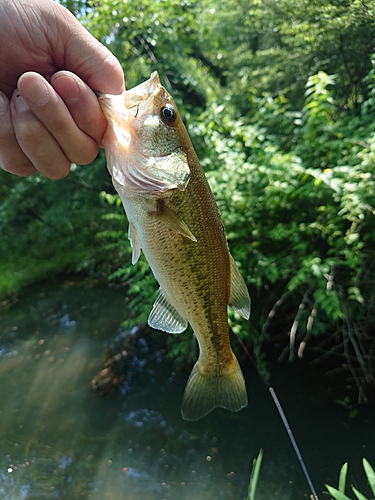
x,y
293,441
288,429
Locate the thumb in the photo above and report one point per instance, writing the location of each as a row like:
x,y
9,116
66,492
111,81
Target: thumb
x,y
87,57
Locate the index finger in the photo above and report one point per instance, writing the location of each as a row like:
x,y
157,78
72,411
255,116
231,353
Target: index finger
x,y
82,104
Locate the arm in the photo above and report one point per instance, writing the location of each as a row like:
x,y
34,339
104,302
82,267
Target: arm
x,y
48,117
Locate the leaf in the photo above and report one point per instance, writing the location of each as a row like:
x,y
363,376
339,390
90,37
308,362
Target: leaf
x,y
255,476
342,477
370,474
358,494
336,494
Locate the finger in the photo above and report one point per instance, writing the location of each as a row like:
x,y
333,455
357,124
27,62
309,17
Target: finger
x,y
36,142
50,109
82,54
92,61
82,104
12,158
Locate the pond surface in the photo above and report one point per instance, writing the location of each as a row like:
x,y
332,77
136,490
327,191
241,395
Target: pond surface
x,y
59,440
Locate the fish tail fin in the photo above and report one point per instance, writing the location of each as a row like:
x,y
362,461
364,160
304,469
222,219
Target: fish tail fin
x,y
207,389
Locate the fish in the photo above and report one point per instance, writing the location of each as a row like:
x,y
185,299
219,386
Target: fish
x,y
174,219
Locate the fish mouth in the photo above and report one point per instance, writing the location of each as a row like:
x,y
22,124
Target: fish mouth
x,y
132,98
143,91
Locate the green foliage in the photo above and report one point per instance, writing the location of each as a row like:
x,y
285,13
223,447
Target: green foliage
x,y
255,476
156,35
50,227
276,46
339,494
278,209
301,222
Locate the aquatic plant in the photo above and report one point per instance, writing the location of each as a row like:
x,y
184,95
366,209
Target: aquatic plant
x,y
339,494
255,476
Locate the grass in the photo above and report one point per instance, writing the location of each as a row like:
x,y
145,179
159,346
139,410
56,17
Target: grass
x,y
339,494
255,476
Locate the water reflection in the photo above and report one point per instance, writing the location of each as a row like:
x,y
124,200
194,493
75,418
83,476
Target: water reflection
x,y
59,440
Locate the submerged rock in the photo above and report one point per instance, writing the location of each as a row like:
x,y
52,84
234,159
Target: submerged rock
x,y
123,362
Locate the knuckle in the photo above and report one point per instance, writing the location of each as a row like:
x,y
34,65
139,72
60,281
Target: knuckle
x,y
57,171
15,163
84,155
30,131
6,128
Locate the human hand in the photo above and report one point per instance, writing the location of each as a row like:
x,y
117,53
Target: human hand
x,y
53,118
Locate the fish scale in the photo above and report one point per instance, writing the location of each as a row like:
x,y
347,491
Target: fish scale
x,y
174,220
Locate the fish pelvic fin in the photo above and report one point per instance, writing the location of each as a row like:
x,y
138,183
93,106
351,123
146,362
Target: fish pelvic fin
x,y
206,390
239,295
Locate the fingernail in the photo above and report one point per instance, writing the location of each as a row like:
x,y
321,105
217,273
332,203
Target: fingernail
x,y
20,103
67,86
37,92
4,104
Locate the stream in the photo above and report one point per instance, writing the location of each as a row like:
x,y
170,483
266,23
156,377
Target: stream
x,y
60,440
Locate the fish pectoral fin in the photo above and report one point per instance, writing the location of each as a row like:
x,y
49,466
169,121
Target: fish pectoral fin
x,y
239,294
172,220
207,389
134,243
164,316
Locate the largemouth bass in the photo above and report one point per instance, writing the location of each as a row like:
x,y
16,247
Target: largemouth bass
x,y
174,219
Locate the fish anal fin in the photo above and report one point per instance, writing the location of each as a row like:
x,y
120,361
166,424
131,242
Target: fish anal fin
x,y
239,294
206,391
164,316
134,243
172,220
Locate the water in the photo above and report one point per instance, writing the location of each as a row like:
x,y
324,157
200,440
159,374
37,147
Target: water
x,y
59,440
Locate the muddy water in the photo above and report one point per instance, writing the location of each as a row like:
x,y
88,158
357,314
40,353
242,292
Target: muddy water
x,y
59,440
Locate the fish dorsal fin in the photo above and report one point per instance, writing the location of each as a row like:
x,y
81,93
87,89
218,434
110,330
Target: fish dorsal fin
x,y
172,220
134,243
239,294
164,316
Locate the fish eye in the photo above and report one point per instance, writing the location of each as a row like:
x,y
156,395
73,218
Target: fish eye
x,y
168,113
